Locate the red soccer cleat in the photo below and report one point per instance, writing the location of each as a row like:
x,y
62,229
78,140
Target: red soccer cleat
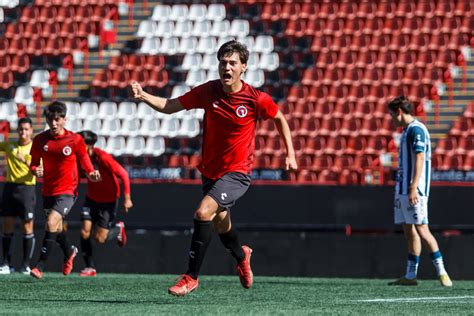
x,y
88,272
185,285
36,273
244,269
122,236
67,265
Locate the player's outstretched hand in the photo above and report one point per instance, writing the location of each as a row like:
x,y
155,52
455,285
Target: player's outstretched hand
x,y
291,164
94,176
39,171
136,89
127,203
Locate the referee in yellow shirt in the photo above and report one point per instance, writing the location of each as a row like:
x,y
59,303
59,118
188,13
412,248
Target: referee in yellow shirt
x,y
19,198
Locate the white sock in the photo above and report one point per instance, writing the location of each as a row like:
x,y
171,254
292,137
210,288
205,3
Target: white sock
x,y
412,266
438,263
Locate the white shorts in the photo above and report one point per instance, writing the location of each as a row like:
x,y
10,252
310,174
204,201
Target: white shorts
x,y
407,214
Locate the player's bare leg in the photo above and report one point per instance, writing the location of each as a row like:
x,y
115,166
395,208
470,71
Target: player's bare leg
x,y
229,238
414,251
430,242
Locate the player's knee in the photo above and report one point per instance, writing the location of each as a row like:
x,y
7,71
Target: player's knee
x,y
222,227
99,238
85,233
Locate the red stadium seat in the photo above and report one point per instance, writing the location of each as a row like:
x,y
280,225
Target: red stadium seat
x,y
330,126
356,145
461,126
336,145
315,146
376,145
343,162
349,177
309,127
363,162
465,145
328,177
322,162
446,145
469,162
307,176
453,162
350,127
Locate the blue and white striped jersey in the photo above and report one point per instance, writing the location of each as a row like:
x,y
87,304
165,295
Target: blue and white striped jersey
x,y
415,139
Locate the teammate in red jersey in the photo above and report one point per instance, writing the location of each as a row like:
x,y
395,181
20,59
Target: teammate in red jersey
x,y
100,207
59,150
232,109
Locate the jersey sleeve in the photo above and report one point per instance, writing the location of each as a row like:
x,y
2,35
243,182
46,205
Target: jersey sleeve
x,y
267,109
193,99
118,170
82,156
35,153
417,139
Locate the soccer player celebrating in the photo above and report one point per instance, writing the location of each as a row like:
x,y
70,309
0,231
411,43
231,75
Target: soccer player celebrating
x,y
100,207
232,108
19,197
60,150
412,191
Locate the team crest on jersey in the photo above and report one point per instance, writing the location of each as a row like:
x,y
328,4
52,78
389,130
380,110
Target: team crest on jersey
x,y
241,111
45,147
67,151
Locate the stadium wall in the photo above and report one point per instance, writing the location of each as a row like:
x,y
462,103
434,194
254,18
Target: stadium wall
x,y
159,234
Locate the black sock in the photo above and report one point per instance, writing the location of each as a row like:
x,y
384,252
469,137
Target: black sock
x,y
63,242
48,243
86,247
6,244
200,241
28,248
230,240
113,233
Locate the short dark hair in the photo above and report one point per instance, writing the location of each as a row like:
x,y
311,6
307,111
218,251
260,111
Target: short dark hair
x,y
401,102
55,108
231,47
25,120
90,138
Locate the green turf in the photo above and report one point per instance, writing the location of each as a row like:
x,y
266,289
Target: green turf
x,y
147,294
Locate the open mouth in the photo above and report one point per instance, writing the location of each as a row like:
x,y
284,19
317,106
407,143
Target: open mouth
x,y
226,76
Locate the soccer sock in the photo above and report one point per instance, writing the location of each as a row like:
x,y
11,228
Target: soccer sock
x,y
230,240
113,233
437,260
28,248
48,244
412,266
200,241
63,242
86,247
6,244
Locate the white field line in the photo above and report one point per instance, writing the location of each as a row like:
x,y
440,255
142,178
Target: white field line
x,y
416,299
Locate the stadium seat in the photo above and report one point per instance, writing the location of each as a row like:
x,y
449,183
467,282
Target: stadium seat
x,y
88,110
24,95
110,127
263,44
189,127
130,127
116,145
92,124
73,109
161,12
40,79
169,127
74,125
239,28
329,177
164,29
135,146
216,12
155,146
107,109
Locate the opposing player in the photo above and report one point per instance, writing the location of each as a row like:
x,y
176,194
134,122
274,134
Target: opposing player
x,y
232,108
100,208
412,190
19,197
60,151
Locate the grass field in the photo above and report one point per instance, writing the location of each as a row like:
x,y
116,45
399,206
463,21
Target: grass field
x,y
147,294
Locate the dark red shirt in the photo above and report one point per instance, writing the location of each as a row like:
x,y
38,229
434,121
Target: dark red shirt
x,y
60,155
108,189
229,125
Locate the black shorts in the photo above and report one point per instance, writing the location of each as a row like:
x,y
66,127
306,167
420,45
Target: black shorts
x,y
18,200
61,203
227,189
101,214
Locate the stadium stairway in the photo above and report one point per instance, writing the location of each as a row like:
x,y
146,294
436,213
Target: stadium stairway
x,y
99,60
448,114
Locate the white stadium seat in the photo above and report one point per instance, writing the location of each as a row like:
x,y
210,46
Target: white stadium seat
x,y
150,127
92,124
101,142
88,110
146,28
239,28
179,90
73,109
207,45
183,29
195,78
150,45
263,44
8,111
74,125
189,127
255,78
164,29
209,62
126,110
187,45
169,45
169,127
144,111
115,145
161,13
220,27
135,146
192,62
24,95
107,109
130,127
253,61
269,62
110,127
155,146
179,12
197,12
202,29
40,79
216,12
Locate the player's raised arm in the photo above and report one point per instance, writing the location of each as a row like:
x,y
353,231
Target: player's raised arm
x,y
285,134
163,105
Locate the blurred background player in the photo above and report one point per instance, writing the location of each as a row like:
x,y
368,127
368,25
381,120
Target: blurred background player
x,y
60,150
412,190
100,208
232,109
19,197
